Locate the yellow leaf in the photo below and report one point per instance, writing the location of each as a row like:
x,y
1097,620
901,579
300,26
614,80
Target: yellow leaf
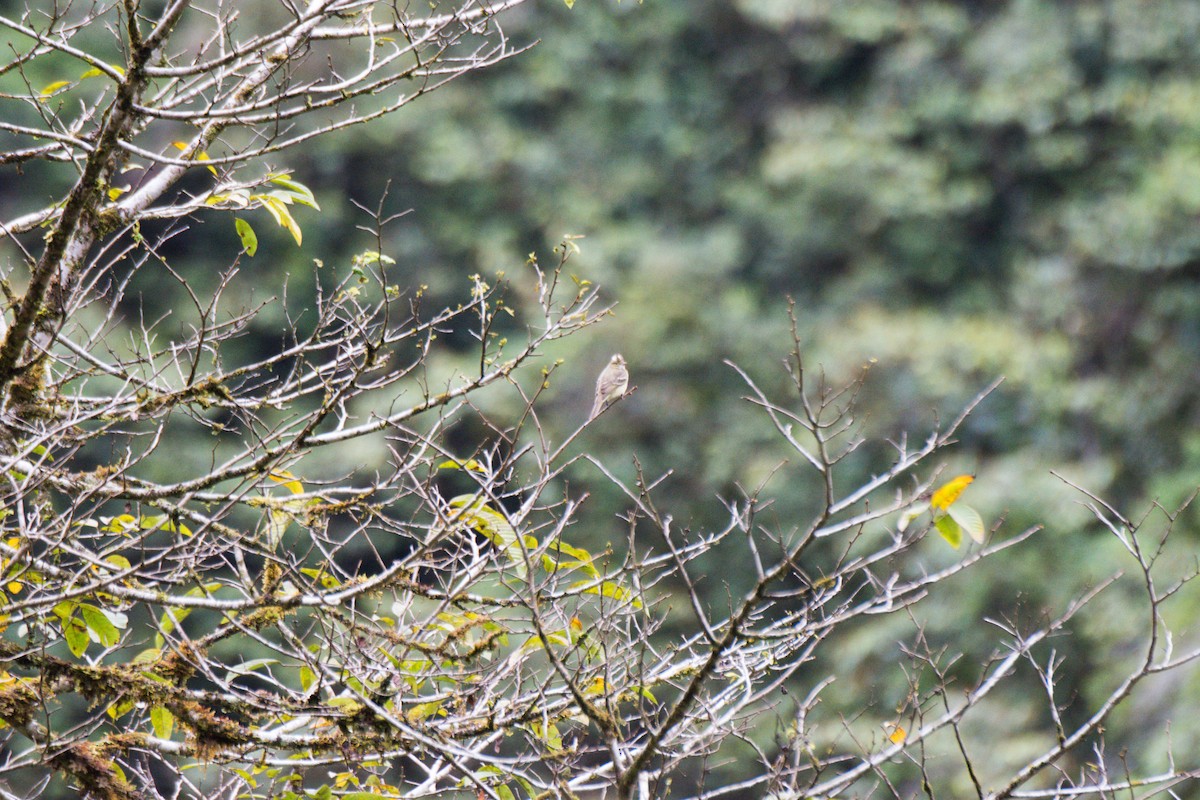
x,y
424,710
205,157
897,734
201,156
290,481
50,89
347,705
96,72
471,465
278,209
122,524
949,492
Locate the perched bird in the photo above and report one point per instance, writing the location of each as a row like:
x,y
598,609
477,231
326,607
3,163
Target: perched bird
x,y
612,383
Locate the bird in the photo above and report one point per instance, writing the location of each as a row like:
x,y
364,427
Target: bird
x,y
611,385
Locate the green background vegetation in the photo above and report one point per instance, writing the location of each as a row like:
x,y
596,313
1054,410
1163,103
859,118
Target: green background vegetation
x,y
957,191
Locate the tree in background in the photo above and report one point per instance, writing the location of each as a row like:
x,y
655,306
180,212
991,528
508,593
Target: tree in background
x,y
324,566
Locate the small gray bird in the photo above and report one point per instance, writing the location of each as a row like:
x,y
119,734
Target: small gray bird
x,y
612,383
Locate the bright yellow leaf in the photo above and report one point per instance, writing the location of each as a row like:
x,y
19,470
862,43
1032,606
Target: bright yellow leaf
x,y
201,156
289,481
471,465
944,497
50,89
96,72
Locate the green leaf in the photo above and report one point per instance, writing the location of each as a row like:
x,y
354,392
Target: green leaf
x,y
581,559
246,667
479,516
549,736
163,722
646,693
98,623
949,529
969,520
148,656
163,522
120,708
525,784
247,235
322,577
423,710
76,634
368,257
278,209
118,561
246,776
172,617
297,191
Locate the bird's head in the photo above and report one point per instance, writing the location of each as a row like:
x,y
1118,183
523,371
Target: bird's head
x,y
617,359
